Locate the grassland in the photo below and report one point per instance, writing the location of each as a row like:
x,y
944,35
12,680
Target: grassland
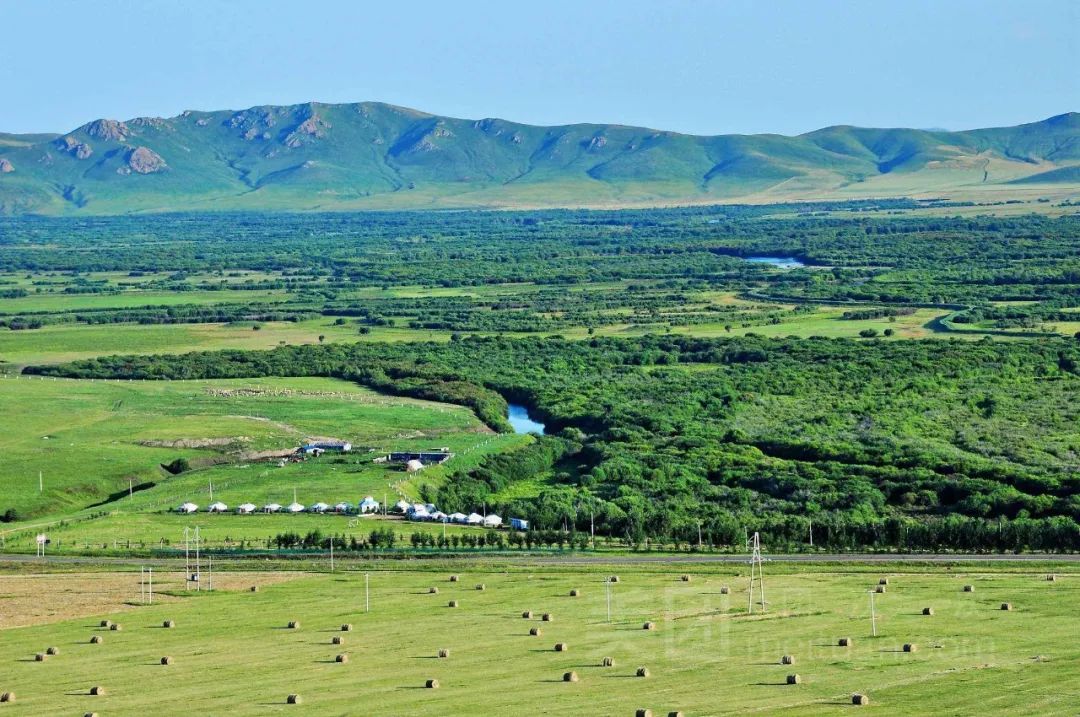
x,y
232,652
90,439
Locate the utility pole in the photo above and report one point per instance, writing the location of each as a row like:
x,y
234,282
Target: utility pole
x,y
755,567
150,588
811,532
40,482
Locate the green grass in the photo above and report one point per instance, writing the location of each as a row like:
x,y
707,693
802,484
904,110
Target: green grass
x,y
87,438
232,652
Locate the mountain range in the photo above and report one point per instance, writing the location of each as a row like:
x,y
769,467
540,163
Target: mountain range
x,y
371,155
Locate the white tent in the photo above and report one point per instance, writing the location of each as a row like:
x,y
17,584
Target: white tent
x,y
474,519
413,465
246,508
271,507
457,517
294,508
187,508
492,521
369,505
439,516
217,507
319,508
419,513
343,507
402,506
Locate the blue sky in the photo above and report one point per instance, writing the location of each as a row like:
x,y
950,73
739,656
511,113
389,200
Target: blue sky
x,y
785,66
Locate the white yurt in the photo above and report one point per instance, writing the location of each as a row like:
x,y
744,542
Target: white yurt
x,y
246,508
294,508
474,519
217,507
319,508
187,508
369,505
272,508
492,521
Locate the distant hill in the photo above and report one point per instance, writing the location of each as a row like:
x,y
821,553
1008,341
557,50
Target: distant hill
x,y
375,156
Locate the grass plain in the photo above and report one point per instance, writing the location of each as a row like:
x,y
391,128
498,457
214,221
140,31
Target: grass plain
x,y
232,651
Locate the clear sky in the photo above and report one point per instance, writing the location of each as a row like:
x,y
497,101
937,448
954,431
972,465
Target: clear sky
x,y
785,66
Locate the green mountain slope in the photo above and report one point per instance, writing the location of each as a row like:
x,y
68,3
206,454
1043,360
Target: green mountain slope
x,y
373,155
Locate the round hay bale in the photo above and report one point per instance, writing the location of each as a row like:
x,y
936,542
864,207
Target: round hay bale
x,y
675,713
254,588
527,614
444,653
787,660
928,611
969,588
879,589
649,626
685,578
724,590
341,658
794,679
1006,606
570,676
642,672
859,699
294,624
547,617
452,603
96,640
643,713
454,578
52,651
293,699
105,623
613,579
844,642
346,627
575,593
561,647
337,640
481,586
40,657
607,662
432,684
91,714
166,660
1051,578
433,591
910,647
883,581
535,632
7,696
115,626
168,624
97,690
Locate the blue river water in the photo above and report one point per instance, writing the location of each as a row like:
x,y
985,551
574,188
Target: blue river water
x,y
520,420
780,262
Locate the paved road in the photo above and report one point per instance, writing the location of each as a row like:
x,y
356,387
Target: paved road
x,y
570,559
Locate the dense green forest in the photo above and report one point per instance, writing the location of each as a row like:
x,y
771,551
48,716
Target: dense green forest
x,y
917,444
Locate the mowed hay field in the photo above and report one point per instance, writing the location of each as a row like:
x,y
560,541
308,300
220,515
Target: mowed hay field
x,y
232,651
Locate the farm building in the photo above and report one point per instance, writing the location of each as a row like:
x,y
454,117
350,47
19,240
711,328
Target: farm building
x,y
317,447
428,458
246,508
217,507
519,524
187,508
369,505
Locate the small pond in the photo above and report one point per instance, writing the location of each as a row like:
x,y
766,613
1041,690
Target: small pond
x,y
520,420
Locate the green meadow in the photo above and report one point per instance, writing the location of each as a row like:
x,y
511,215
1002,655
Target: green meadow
x,y
232,651
91,440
